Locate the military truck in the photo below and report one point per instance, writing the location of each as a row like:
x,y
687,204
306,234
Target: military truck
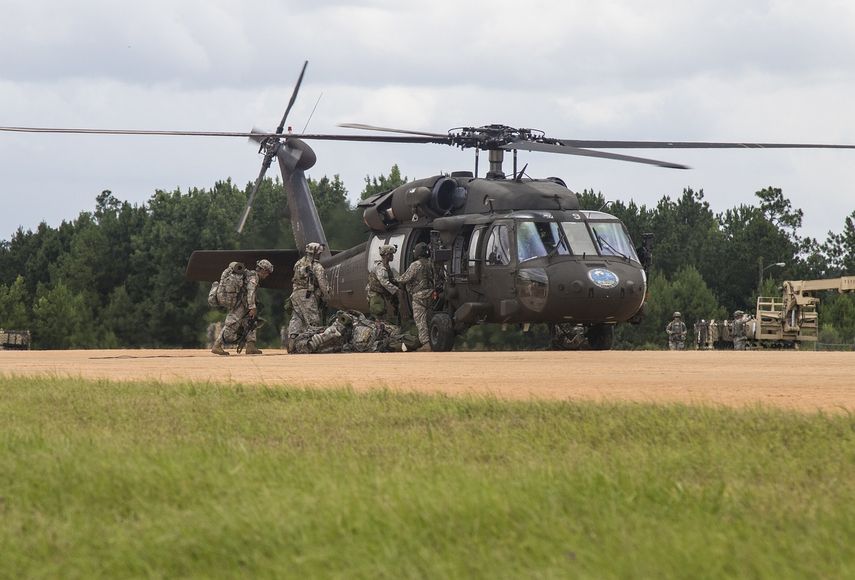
x,y
14,339
789,320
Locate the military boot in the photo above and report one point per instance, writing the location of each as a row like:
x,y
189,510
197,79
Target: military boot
x,y
218,347
251,348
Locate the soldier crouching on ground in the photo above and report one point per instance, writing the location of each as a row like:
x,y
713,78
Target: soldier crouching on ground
x,y
381,290
419,282
309,288
352,331
236,291
676,330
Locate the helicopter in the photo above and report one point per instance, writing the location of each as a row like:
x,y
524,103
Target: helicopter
x,y
506,248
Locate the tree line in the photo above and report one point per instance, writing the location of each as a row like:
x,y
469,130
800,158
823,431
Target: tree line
x,y
114,276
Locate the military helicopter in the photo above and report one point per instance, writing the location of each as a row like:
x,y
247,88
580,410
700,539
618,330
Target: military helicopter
x,y
507,248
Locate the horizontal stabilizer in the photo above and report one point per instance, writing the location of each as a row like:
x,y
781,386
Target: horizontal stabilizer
x,y
208,265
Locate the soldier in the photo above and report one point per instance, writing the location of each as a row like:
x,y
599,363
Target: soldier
x,y
676,330
702,331
309,288
241,320
352,331
738,330
381,290
418,280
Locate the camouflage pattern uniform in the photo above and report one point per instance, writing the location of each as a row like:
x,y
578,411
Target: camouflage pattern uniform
x,y
738,330
702,331
381,290
676,330
238,319
214,330
419,282
309,287
352,331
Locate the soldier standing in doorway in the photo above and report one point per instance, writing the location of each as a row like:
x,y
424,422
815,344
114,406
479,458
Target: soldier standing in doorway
x,y
676,330
381,289
418,280
309,287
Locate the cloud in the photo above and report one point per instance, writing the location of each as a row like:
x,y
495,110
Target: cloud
x,y
698,70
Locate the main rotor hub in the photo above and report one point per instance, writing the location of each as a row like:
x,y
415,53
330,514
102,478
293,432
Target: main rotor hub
x,y
492,137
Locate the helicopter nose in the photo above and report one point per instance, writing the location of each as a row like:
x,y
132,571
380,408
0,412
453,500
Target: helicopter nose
x,y
583,291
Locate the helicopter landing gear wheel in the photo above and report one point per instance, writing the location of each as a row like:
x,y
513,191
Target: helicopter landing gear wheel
x,y
441,332
601,336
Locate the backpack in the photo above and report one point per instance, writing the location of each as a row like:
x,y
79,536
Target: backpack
x,y
227,292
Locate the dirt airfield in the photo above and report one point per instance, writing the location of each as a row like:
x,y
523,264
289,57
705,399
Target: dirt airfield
x,y
805,381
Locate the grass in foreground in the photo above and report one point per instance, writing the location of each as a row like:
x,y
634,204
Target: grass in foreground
x,y
103,479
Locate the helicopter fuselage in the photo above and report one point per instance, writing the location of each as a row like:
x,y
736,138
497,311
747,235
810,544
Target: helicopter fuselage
x,y
505,264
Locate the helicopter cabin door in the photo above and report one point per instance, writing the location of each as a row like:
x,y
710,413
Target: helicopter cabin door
x,y
497,274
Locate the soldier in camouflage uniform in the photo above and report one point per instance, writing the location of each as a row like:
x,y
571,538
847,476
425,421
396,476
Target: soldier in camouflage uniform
x,y
738,330
676,330
309,288
238,320
418,280
702,328
381,289
352,331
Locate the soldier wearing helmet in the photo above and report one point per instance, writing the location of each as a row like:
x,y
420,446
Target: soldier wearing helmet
x,y
241,320
309,288
676,330
381,289
738,330
419,281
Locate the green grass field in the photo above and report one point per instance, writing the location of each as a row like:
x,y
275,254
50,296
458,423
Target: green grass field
x,y
102,479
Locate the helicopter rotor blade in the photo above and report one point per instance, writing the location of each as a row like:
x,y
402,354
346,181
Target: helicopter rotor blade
x,y
389,130
281,126
694,145
265,165
255,135
568,150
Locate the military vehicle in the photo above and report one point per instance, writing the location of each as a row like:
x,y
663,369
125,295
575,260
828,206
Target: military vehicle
x,y
507,248
14,339
790,320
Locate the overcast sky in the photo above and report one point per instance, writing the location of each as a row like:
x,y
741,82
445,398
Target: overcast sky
x,y
705,70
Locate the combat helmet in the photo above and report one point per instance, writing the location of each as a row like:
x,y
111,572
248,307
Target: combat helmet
x,y
678,315
265,265
387,250
738,313
420,250
314,249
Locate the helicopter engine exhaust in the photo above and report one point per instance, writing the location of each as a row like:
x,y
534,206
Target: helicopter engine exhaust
x,y
426,198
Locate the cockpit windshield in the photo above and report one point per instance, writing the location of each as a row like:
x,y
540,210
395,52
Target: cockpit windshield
x,y
536,239
613,240
579,238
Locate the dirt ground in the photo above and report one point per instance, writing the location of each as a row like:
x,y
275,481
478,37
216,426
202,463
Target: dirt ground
x,y
806,381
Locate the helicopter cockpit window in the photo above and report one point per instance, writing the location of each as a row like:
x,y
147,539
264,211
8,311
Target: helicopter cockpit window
x,y
579,238
536,239
613,240
499,246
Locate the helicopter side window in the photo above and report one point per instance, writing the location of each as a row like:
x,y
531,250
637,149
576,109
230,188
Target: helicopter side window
x,y
473,249
499,246
579,238
458,265
536,239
